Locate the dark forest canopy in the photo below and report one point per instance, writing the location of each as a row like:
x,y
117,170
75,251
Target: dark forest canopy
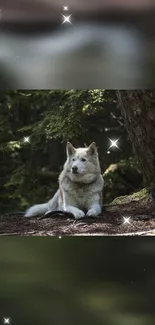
x,y
34,128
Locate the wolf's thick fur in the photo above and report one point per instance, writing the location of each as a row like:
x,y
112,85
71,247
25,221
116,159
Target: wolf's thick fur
x,y
80,185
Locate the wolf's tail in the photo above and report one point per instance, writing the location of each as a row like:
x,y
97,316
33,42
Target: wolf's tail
x,y
40,209
37,210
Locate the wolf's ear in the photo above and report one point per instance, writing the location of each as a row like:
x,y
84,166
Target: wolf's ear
x,y
70,150
92,149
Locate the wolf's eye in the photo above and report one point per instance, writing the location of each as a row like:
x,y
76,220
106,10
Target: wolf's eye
x,y
83,159
73,159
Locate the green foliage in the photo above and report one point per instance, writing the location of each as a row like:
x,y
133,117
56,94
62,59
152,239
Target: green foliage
x,y
122,178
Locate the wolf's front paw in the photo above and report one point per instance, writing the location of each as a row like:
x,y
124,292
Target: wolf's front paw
x,y
78,214
92,213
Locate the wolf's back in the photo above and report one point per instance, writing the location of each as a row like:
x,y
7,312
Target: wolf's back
x,y
37,210
40,209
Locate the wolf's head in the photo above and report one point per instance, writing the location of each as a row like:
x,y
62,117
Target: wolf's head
x,y
82,164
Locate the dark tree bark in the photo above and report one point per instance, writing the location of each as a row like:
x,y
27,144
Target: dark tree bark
x,y
138,110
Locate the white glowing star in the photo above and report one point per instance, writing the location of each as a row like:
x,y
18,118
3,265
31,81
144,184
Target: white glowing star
x,y
6,320
60,237
114,143
26,139
66,19
65,8
126,220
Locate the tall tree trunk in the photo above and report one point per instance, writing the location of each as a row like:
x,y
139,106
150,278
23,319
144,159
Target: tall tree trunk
x,y
138,110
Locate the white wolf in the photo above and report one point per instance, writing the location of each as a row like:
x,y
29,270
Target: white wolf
x,y
80,185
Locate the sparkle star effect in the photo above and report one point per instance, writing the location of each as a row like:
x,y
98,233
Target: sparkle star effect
x,y
66,19
113,143
60,237
65,8
126,220
6,320
26,139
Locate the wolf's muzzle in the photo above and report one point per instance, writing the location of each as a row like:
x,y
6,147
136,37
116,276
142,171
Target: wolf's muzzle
x,y
74,170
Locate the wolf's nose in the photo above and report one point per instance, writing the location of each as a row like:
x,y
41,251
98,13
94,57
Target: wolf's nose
x,y
74,169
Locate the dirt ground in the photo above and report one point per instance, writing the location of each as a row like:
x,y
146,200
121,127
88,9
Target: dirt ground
x,y
110,223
